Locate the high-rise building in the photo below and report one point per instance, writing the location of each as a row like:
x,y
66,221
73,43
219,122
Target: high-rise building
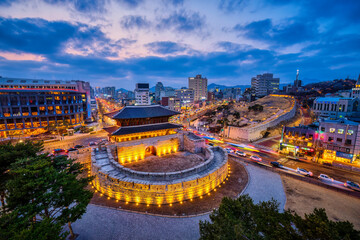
x,y
142,94
159,87
297,82
199,85
109,91
264,84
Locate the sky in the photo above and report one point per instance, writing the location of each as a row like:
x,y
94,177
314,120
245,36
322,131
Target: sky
x,y
123,42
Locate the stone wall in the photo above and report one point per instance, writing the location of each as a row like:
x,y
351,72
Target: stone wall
x,y
133,151
148,189
253,133
193,143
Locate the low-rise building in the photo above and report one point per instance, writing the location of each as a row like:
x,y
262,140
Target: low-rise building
x,y
299,141
335,107
340,139
30,106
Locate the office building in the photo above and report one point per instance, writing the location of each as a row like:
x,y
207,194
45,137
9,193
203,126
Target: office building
x,y
159,87
109,92
186,96
199,85
30,106
265,84
142,96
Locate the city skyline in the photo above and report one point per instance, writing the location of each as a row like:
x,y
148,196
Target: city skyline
x,y
120,43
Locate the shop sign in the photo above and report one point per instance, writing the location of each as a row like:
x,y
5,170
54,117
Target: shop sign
x,y
344,155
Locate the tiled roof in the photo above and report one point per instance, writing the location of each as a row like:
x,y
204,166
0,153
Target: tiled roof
x,y
144,128
150,111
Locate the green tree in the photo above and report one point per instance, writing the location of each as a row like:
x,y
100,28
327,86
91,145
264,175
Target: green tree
x,y
9,153
46,189
242,219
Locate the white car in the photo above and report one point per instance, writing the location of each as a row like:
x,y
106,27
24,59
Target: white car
x,y
255,158
304,172
242,154
229,150
352,185
325,177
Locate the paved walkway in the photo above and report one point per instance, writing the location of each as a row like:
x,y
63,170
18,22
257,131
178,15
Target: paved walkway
x,y
264,185
104,223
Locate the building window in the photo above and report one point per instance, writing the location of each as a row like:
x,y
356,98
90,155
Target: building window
x,y
332,130
339,140
322,129
330,139
340,131
350,132
348,141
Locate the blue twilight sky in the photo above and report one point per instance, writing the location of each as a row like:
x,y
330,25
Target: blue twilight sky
x,y
121,42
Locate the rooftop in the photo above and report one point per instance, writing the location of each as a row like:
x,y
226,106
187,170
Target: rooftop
x,y
148,111
331,99
20,81
340,121
144,128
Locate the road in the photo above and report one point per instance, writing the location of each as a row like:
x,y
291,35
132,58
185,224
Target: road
x,y
71,141
339,175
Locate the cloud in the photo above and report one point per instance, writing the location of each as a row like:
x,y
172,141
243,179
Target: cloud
x,y
290,32
84,6
130,3
231,46
132,21
34,35
183,21
38,36
232,5
165,47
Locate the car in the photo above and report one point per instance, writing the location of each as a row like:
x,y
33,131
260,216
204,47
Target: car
x,y
276,164
255,158
325,177
352,185
58,151
229,150
92,143
304,172
71,150
242,154
104,140
78,146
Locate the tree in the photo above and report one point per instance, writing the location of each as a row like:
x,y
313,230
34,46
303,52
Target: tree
x,y
9,153
46,189
242,219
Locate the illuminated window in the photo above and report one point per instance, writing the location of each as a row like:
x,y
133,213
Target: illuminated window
x,y
350,132
340,131
332,130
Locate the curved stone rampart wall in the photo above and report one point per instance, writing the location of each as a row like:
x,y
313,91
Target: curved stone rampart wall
x,y
253,133
159,188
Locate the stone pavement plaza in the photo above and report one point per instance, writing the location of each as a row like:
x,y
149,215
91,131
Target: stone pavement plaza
x,y
105,223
